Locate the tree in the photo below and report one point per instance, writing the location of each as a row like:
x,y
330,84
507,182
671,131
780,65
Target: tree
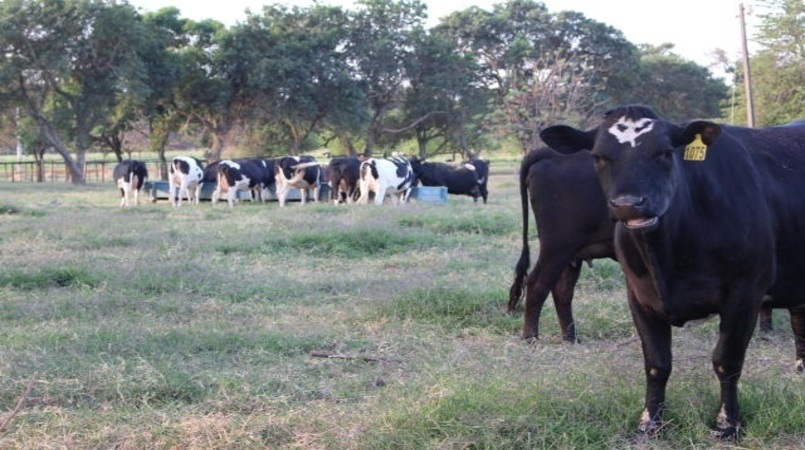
x,y
443,93
294,76
162,57
381,47
678,89
67,62
778,69
542,68
205,97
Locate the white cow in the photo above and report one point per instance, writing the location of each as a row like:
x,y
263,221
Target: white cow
x,y
390,176
185,175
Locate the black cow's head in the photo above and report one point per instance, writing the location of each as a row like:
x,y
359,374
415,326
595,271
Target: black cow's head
x,y
637,156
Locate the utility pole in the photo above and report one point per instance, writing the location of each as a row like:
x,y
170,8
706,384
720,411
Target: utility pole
x,y
750,109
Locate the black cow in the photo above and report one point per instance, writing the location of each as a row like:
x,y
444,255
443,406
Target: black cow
x,y
130,176
573,226
343,175
462,180
710,221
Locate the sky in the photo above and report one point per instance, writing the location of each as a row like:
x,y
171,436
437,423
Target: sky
x,y
695,27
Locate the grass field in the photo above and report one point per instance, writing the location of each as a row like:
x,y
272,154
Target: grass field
x,y
196,328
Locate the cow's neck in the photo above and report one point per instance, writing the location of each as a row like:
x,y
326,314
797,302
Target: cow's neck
x,y
640,256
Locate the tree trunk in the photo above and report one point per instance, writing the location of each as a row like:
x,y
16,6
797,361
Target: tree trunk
x,y
75,168
217,147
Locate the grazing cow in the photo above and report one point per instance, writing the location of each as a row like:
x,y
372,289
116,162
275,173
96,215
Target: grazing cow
x,y
462,180
390,176
573,226
238,175
185,177
130,176
709,221
343,174
300,172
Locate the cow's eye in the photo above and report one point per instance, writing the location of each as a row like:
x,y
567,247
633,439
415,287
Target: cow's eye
x,y
666,157
599,158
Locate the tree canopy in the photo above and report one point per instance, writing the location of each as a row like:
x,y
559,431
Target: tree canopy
x,y
290,79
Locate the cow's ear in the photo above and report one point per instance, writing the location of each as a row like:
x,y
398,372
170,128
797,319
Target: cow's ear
x,y
566,139
709,131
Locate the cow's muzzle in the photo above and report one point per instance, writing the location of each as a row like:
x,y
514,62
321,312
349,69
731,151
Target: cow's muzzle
x,y
632,211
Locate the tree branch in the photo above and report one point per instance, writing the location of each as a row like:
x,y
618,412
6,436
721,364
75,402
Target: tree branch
x,y
414,123
18,407
316,354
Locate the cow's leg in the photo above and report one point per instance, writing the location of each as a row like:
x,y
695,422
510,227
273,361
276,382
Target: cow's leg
x,y
183,192
196,193
176,195
282,194
735,331
134,190
562,293
798,326
655,340
764,320
216,194
127,195
316,193
380,194
406,195
231,196
538,284
136,193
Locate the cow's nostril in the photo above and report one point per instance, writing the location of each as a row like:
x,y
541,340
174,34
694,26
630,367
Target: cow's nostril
x,y
627,201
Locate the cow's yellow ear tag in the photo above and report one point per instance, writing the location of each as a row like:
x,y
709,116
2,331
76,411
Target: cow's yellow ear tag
x,y
696,150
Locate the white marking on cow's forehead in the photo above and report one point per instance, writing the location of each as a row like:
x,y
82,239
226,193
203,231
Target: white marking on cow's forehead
x,y
628,130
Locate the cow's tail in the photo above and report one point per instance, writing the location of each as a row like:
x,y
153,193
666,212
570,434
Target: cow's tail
x,y
521,269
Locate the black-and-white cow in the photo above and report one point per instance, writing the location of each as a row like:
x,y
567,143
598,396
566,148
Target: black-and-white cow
x,y
130,176
343,176
710,221
237,175
464,180
390,176
185,177
300,172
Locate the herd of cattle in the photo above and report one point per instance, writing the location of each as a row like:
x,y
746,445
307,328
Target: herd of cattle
x,y
351,179
704,219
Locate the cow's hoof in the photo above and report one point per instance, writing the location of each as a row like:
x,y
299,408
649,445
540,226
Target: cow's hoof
x,y
649,427
726,434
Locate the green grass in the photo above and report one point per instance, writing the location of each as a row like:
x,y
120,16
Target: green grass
x,y
193,327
